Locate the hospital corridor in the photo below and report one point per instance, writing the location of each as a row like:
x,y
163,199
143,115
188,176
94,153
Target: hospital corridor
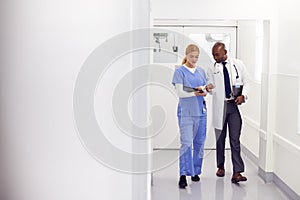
x,y
213,187
100,97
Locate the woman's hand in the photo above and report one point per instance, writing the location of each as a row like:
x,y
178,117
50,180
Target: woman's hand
x,y
207,88
200,88
200,93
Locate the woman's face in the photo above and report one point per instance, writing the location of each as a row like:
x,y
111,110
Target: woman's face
x,y
192,58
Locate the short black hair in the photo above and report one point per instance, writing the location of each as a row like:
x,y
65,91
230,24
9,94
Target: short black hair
x,y
220,44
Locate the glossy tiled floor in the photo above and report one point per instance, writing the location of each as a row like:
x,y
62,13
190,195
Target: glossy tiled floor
x,y
212,187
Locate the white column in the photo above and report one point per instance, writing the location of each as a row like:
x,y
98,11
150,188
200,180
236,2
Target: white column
x,y
43,47
267,109
141,183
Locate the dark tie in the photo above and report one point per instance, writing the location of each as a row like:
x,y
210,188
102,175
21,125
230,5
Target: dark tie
x,y
226,81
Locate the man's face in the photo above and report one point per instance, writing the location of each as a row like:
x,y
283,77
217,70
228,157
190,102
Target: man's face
x,y
218,54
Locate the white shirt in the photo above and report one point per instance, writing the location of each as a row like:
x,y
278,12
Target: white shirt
x,y
190,69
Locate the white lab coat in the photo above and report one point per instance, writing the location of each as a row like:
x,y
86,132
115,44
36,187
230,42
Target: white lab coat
x,y
216,77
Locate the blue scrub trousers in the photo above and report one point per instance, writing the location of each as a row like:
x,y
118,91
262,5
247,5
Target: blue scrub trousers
x,y
192,138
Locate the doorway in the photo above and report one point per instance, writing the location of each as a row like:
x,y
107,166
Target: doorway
x,y
204,35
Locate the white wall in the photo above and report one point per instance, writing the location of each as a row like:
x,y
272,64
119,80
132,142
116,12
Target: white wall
x,y
286,136
246,35
214,9
278,124
43,46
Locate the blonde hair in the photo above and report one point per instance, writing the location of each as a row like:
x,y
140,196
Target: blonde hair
x,y
189,49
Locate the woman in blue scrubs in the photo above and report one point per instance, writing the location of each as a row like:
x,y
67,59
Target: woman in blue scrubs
x,y
191,114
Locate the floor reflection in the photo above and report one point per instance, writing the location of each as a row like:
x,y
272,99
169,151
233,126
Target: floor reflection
x,y
165,184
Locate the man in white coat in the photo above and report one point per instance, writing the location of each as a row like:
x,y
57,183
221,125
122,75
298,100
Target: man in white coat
x,y
231,81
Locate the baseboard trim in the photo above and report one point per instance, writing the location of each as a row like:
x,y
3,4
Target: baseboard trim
x,y
268,177
250,155
271,177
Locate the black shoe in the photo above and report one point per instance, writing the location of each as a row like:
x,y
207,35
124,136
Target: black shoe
x,y
237,177
182,182
220,172
195,178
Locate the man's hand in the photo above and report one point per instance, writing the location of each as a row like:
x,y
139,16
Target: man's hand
x,y
239,100
209,87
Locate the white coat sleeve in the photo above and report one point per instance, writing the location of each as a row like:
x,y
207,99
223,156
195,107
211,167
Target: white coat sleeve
x,y
210,79
246,79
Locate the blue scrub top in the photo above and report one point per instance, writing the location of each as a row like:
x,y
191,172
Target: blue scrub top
x,y
190,106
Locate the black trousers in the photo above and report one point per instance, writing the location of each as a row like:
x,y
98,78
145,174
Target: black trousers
x,y
232,119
